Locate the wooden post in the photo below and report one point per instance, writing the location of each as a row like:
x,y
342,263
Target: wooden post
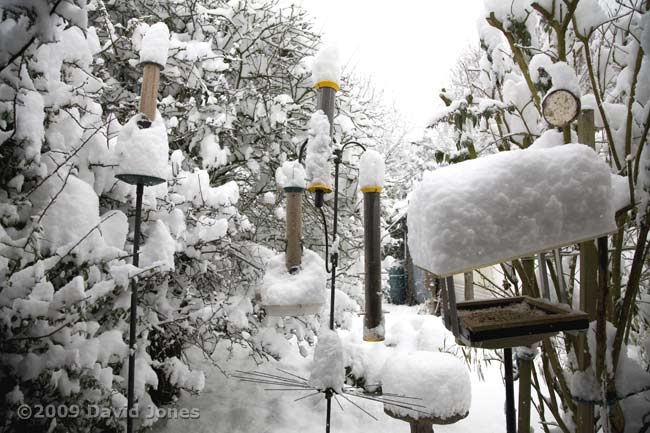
x,y
469,285
149,90
294,228
585,421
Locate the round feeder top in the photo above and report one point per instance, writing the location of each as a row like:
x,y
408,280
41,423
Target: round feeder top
x,y
437,381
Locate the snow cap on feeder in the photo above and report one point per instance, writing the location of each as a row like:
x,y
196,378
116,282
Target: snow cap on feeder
x,y
371,171
291,176
294,294
439,381
326,68
318,154
155,45
512,204
142,149
327,369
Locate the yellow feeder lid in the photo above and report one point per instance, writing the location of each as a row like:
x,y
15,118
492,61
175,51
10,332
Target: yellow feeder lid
x,y
325,83
319,187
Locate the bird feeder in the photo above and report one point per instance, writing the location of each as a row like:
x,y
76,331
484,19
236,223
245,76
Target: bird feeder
x,y
495,209
560,107
371,181
326,73
291,178
419,374
499,208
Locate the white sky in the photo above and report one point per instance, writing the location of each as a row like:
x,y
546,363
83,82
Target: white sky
x,y
406,46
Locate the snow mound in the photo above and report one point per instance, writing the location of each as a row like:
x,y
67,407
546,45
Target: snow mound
x,y
327,369
155,45
492,209
440,380
145,151
290,175
327,66
318,150
279,287
371,169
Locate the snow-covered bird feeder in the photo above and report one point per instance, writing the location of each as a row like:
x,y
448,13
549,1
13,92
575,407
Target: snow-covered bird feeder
x,y
501,207
142,143
326,73
291,178
371,183
294,294
438,383
319,152
153,57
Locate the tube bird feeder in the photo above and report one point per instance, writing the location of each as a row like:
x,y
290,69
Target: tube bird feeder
x,y
291,178
326,72
371,181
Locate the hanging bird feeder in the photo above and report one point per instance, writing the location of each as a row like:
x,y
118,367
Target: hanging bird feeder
x,y
560,107
326,72
371,182
419,374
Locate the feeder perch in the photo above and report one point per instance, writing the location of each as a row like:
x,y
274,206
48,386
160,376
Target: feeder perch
x,y
294,294
438,386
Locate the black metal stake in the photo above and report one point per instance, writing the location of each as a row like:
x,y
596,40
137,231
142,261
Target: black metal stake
x,y
134,307
511,414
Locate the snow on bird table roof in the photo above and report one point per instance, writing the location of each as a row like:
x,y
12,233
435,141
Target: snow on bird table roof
x,y
511,204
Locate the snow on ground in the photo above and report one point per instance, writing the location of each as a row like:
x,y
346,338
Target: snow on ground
x,y
229,405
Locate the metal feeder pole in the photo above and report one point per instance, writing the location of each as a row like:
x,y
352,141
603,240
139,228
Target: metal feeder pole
x,y
372,258
148,103
294,228
511,414
326,101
